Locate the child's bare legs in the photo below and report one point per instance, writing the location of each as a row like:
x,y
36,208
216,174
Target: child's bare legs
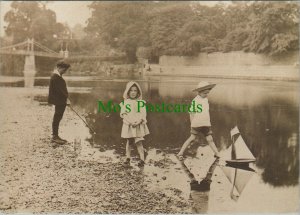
x,y
128,150
186,144
140,149
209,139
212,145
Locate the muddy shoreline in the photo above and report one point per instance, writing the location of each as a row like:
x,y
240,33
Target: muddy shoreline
x,y
35,177
77,178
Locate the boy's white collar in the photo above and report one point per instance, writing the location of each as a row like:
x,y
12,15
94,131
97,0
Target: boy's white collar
x,y
200,97
56,72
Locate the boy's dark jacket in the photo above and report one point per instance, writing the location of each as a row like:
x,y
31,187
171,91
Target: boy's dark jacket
x,y
58,92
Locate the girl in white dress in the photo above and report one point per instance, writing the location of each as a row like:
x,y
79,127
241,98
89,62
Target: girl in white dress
x,y
134,127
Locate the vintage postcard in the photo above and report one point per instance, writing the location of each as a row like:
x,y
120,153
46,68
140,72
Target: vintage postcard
x,y
149,107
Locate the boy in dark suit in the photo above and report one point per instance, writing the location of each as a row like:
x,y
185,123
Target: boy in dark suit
x,y
58,96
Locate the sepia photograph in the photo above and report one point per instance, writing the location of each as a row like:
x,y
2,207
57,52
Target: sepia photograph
x,y
149,107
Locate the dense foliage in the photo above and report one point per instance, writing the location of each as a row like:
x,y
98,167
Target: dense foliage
x,y
152,29
33,20
187,28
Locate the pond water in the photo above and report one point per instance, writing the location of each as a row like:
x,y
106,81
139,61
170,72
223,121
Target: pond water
x,y
266,113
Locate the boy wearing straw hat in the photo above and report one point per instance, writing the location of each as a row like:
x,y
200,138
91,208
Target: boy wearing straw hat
x,y
200,121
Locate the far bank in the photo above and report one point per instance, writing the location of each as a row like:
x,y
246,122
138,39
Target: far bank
x,y
233,65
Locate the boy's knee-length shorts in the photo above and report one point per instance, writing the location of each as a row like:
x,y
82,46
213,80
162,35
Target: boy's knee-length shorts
x,y
204,130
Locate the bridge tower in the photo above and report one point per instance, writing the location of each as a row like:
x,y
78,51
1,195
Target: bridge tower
x,y
29,67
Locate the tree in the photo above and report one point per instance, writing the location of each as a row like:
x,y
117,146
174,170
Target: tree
x,y
121,25
165,21
187,28
78,32
33,20
261,27
274,29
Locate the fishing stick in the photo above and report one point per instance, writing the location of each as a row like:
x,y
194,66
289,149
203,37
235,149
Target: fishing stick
x,y
82,120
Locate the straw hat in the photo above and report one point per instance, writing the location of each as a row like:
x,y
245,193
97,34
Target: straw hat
x,y
203,85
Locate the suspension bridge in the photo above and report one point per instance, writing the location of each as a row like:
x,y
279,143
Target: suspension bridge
x,y
31,48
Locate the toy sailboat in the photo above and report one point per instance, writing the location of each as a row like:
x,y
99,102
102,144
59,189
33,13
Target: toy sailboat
x,y
237,158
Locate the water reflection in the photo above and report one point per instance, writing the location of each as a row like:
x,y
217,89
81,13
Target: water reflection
x,y
200,191
265,112
199,201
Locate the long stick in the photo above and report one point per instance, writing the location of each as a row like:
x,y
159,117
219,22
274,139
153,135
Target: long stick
x,y
82,119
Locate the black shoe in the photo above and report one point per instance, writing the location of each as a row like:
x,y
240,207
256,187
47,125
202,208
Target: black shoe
x,y
141,163
56,139
62,139
203,186
127,161
194,184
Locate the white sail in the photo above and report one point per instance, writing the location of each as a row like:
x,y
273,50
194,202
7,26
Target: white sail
x,y
229,173
241,179
238,177
234,131
241,149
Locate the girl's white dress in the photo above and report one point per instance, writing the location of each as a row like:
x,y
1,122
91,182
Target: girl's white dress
x,y
134,115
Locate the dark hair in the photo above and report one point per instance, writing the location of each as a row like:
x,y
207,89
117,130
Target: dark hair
x,y
138,94
63,64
